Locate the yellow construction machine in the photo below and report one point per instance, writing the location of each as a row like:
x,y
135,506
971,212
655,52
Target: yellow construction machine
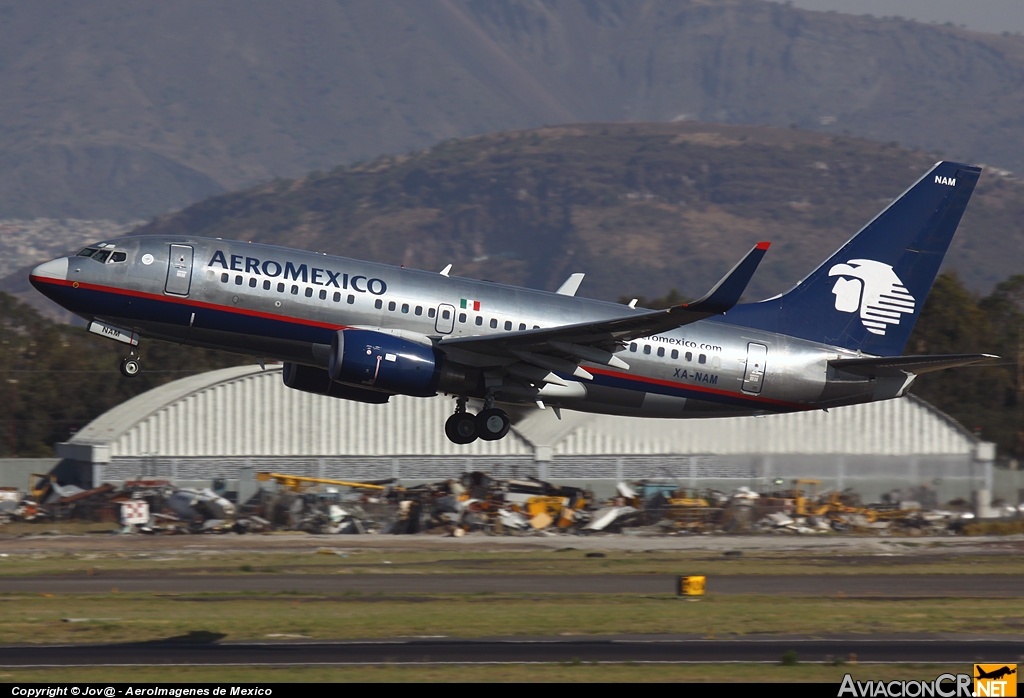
x,y
299,483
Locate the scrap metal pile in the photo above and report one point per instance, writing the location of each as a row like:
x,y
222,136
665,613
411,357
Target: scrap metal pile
x,y
478,503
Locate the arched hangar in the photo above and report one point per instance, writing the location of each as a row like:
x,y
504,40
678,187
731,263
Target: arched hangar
x,y
216,423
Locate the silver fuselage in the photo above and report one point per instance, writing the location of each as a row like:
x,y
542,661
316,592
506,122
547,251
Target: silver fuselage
x,y
285,304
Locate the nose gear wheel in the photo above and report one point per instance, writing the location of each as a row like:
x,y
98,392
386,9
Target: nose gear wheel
x,y
130,367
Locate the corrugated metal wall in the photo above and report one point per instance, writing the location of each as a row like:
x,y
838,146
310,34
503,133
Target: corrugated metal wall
x,y
254,414
889,428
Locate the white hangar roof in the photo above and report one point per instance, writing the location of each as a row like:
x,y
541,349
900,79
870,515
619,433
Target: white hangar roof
x,y
246,411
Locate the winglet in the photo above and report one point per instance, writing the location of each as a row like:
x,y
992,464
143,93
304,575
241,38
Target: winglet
x,y
571,285
727,292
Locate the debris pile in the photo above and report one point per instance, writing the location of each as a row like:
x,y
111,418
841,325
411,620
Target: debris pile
x,y
478,503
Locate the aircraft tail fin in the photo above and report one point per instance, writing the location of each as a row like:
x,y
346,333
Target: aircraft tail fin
x,y
868,295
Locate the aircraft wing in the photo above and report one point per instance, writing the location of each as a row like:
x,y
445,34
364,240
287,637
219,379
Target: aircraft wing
x,y
901,365
597,341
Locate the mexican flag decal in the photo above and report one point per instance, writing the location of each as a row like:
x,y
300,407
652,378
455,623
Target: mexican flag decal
x,y
467,304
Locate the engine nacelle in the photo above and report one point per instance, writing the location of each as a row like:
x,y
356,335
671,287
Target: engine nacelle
x,y
316,380
384,362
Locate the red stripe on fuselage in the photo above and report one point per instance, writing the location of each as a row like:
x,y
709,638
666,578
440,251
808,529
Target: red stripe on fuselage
x,y
187,301
696,388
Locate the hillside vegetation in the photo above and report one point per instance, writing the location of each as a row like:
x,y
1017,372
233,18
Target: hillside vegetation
x,y
128,108
641,208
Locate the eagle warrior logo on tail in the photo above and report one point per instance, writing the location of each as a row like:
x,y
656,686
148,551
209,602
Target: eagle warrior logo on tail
x,y
874,289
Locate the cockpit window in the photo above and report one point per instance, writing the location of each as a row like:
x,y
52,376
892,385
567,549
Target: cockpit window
x,y
101,256
87,252
119,257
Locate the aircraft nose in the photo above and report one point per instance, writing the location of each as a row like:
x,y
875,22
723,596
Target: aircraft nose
x,y
54,269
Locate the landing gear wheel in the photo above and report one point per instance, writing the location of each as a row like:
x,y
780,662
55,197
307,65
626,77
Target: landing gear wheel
x,y
461,428
130,367
492,424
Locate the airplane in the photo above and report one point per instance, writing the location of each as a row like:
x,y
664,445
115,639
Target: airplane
x,y
995,674
364,331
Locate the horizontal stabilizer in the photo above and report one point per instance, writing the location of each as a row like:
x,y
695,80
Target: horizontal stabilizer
x,y
902,365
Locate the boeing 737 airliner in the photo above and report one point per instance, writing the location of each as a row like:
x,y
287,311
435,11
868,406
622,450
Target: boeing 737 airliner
x,y
363,331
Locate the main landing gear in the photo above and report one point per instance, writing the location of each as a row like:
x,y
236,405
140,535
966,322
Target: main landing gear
x,y
130,366
490,425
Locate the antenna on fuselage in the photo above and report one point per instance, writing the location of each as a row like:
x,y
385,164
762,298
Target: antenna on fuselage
x,y
446,270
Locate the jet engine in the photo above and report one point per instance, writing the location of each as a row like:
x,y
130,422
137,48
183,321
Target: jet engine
x,y
310,379
385,362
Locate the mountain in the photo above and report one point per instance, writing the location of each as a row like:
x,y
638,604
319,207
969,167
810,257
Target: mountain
x,y
122,109
641,208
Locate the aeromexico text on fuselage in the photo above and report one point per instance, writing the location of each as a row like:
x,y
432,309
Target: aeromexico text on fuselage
x,y
320,276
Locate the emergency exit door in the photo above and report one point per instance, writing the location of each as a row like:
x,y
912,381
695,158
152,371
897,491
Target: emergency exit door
x,y
445,322
179,270
757,364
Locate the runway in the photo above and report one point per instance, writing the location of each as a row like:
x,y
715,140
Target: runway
x,y
512,650
878,585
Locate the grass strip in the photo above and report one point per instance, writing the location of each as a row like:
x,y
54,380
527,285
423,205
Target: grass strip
x,y
30,618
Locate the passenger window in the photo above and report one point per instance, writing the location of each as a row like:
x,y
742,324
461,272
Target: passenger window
x,y
479,319
462,317
391,306
522,326
494,324
351,299
252,282
632,346
675,353
238,280
337,297
508,325
647,348
446,314
309,292
716,362
322,294
419,309
280,288
661,351
405,307
223,278
536,327
430,312
702,359
295,290
266,285
118,257
378,304
689,356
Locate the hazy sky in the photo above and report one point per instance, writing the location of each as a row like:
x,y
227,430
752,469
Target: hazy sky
x,y
981,15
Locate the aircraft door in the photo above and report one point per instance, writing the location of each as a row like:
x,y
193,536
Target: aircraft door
x,y
757,364
179,270
445,322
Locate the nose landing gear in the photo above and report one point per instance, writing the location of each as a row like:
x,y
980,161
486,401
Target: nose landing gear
x,y
130,366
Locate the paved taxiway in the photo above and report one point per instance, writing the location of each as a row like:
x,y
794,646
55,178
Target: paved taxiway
x,y
512,650
877,585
